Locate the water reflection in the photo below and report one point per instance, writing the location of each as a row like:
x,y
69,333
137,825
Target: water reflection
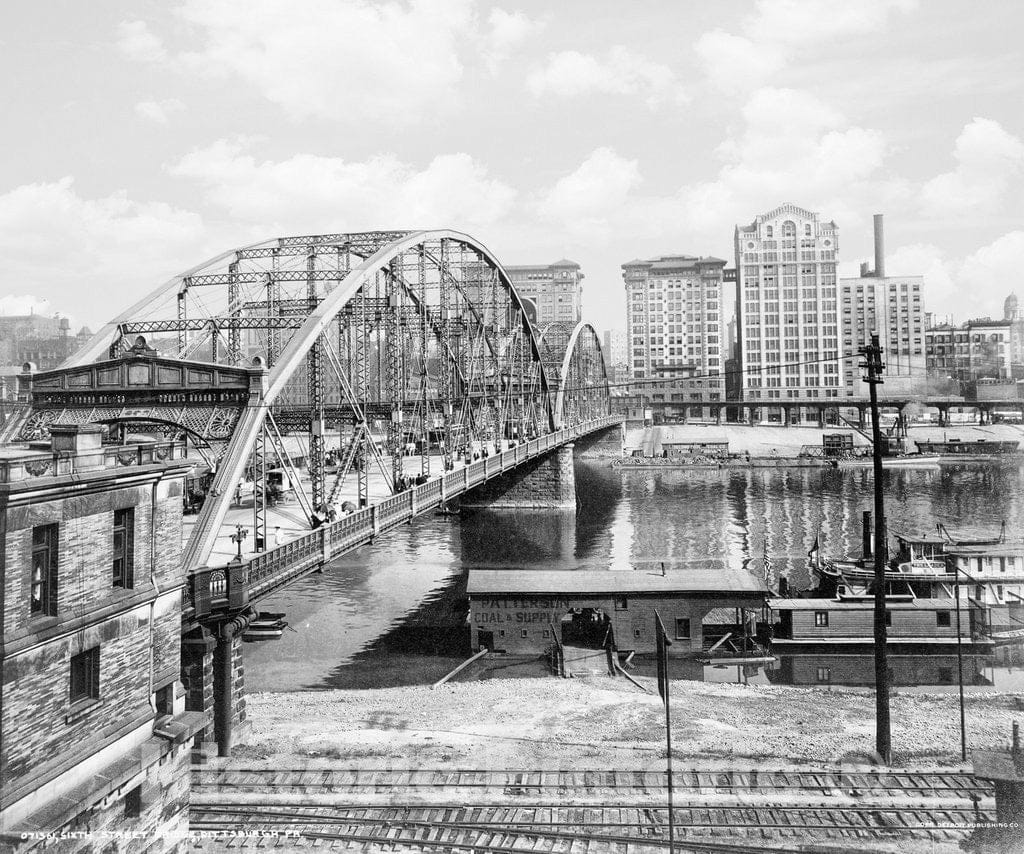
x,y
394,612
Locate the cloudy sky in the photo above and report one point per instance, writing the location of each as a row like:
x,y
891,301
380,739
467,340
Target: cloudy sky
x,y
145,136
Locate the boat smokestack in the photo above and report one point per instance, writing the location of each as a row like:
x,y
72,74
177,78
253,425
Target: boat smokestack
x,y
865,534
879,247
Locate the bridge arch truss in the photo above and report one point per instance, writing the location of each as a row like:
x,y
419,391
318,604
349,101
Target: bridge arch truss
x,y
375,346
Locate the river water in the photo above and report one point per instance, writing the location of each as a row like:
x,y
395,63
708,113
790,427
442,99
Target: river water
x,y
394,613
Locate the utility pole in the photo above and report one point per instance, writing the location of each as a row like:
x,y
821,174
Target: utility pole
x,y
883,738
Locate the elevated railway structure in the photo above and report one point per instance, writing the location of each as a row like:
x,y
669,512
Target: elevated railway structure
x,y
402,364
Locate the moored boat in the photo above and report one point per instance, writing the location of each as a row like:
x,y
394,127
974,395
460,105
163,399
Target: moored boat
x,y
265,626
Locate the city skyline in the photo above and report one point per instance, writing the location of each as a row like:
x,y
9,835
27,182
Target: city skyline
x,y
154,136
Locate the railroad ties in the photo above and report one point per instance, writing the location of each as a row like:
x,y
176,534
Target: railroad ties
x,y
580,812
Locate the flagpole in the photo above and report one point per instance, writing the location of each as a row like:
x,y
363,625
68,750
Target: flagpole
x,y
668,745
662,644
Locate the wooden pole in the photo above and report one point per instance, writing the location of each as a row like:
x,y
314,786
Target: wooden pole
x,y
883,735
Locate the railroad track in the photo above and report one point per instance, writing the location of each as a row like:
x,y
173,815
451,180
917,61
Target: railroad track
x,y
880,784
589,829
582,812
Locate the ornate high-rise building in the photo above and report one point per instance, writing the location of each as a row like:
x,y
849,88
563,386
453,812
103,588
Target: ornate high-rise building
x,y
787,310
674,322
556,290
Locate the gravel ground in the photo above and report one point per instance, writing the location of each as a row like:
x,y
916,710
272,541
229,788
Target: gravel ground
x,y
606,723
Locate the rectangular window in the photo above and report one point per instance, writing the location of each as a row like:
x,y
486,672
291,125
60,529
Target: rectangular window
x,y
942,618
44,571
888,618
621,603
824,674
85,675
636,633
524,633
124,547
820,618
133,803
683,628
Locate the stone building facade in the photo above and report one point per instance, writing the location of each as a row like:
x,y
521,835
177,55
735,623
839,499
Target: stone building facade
x,y
555,289
95,736
787,309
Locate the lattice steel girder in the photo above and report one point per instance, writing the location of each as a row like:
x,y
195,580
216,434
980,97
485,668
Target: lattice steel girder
x,y
198,324
363,245
261,277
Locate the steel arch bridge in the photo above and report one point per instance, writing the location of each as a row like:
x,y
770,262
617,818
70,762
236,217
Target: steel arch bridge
x,y
374,346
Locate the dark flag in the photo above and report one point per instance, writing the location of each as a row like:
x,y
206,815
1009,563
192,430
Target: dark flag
x,y
662,644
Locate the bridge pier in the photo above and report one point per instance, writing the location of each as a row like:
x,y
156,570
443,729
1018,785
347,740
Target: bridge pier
x,y
603,443
546,483
213,672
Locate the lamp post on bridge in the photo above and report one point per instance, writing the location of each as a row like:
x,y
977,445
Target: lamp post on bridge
x,y
237,537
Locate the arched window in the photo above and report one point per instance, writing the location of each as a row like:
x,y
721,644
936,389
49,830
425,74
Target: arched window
x,y
789,228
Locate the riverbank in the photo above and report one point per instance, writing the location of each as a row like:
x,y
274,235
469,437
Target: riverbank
x,y
607,723
768,441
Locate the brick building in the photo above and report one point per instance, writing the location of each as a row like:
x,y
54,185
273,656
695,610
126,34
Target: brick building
x,y
555,289
94,733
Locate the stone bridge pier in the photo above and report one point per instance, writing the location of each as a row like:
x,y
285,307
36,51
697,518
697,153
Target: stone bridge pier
x,y
213,674
544,483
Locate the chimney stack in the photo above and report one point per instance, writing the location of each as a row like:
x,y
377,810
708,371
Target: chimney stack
x,y
879,247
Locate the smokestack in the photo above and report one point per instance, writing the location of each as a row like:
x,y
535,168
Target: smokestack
x,y
879,247
865,534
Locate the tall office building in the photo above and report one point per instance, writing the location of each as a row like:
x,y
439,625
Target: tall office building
x,y
556,289
674,321
893,308
786,309
615,345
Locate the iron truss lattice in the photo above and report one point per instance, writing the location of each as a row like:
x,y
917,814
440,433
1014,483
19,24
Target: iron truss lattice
x,y
374,344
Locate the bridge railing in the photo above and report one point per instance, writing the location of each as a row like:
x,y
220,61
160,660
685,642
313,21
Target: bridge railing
x,y
232,586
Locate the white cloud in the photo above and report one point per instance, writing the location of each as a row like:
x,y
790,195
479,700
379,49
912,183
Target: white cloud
x,y
993,272
988,158
158,112
312,193
584,200
350,61
778,30
135,41
736,64
798,22
790,147
621,72
91,257
508,30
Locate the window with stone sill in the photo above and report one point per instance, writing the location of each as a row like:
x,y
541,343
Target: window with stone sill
x,y
43,594
124,548
85,676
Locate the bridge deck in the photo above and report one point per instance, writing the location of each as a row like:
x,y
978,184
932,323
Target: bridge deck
x,y
233,586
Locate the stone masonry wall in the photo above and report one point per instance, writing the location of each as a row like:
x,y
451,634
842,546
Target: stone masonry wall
x,y
42,729
85,552
161,827
545,483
